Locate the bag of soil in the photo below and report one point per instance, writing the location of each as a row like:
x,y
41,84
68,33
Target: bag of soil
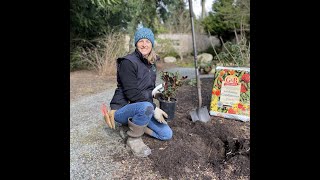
x,y
231,93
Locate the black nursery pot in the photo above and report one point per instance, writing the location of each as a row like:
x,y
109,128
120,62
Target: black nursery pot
x,y
168,107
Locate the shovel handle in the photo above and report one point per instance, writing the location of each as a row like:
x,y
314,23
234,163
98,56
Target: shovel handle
x,y
195,54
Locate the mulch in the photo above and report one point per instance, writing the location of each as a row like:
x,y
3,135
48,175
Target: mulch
x,y
219,148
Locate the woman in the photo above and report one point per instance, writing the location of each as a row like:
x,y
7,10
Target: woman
x,y
132,102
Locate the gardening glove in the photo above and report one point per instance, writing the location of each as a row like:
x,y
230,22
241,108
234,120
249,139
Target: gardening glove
x,y
158,115
157,91
111,116
108,116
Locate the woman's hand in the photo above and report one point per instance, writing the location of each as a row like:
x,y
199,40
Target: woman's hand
x,y
157,91
159,114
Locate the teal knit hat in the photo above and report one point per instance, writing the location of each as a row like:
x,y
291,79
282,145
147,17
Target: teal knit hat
x,y
144,33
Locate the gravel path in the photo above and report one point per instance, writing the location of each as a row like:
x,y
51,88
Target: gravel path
x,y
92,144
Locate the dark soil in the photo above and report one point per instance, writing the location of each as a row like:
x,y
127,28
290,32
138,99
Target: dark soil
x,y
219,148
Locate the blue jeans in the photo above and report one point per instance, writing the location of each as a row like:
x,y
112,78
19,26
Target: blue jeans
x,y
142,114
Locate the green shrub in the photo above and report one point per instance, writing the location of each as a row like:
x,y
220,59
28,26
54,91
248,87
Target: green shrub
x,y
235,54
165,48
75,60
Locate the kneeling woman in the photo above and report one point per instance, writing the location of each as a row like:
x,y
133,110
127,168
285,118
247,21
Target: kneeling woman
x,y
132,102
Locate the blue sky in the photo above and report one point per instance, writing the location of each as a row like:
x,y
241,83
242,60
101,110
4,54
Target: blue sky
x,y
197,6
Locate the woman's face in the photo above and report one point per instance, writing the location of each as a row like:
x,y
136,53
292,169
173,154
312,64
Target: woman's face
x,y
144,46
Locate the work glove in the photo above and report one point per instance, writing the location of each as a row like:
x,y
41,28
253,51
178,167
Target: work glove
x,y
157,91
159,114
108,116
111,116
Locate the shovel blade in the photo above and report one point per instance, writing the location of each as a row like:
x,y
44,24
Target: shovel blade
x,y
200,114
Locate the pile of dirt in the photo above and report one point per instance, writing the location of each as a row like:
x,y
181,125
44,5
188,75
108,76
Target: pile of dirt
x,y
219,148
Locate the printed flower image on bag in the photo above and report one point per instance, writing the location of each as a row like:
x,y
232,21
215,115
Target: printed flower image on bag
x,y
231,93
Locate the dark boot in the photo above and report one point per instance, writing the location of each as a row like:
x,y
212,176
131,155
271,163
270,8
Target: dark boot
x,y
135,142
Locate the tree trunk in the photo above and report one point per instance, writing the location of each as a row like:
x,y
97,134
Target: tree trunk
x,y
203,11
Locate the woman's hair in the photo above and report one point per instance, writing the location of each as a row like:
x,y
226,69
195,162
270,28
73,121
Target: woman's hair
x,y
153,57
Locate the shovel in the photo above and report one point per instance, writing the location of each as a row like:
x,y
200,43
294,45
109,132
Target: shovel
x,y
201,113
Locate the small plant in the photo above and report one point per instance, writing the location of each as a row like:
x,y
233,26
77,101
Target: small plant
x,y
205,68
171,82
192,82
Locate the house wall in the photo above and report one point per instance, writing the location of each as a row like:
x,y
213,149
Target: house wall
x,y
183,42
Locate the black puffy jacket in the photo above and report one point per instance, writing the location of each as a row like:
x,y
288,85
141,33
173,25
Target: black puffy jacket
x,y
136,80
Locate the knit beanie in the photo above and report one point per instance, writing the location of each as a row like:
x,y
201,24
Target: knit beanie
x,y
143,33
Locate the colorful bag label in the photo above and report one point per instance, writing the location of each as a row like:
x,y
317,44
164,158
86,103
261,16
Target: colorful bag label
x,y
231,93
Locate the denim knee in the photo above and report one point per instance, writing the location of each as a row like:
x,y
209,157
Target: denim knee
x,y
166,133
143,114
149,110
146,109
